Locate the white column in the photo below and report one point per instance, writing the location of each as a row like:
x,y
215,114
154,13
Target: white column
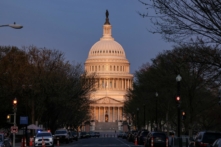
x,y
104,114
99,114
127,83
113,115
116,83
122,113
94,113
108,83
108,114
117,113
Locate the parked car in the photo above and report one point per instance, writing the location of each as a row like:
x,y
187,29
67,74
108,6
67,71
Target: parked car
x,y
142,137
5,143
43,136
204,138
97,134
88,134
120,135
83,135
217,143
158,139
125,135
74,135
63,135
92,134
131,135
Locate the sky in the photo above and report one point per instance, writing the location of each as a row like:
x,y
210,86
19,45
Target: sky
x,y
73,26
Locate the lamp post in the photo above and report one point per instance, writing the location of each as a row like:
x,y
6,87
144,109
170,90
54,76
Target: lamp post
x,y
178,79
14,26
14,109
137,117
156,94
144,116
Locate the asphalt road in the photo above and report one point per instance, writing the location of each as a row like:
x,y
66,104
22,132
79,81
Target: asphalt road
x,y
100,142
96,142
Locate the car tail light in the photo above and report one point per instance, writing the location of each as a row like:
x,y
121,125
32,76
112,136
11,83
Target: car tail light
x,y
151,142
203,144
166,142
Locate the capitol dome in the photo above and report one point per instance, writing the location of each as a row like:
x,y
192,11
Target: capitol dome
x,y
106,47
107,55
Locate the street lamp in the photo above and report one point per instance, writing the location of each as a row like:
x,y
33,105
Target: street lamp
x,y
144,116
14,26
178,79
137,117
14,109
156,94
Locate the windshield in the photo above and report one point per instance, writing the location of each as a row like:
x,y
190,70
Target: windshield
x,y
60,132
211,137
83,133
43,134
159,136
74,133
145,133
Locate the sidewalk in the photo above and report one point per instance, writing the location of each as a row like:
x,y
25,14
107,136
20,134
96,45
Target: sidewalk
x,y
18,144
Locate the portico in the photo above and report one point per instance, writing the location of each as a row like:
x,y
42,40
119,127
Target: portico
x,y
107,110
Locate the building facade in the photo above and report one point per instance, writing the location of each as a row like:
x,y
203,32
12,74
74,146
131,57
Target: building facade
x,y
108,60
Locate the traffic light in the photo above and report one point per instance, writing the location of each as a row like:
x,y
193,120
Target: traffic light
x,y
15,104
8,118
183,115
178,99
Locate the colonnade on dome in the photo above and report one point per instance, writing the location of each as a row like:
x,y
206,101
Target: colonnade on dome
x,y
114,83
111,68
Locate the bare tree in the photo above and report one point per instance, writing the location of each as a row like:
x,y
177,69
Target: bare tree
x,y
180,20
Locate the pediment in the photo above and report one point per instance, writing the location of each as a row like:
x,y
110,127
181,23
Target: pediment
x,y
107,100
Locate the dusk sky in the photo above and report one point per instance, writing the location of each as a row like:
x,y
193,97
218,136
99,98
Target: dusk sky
x,y
73,26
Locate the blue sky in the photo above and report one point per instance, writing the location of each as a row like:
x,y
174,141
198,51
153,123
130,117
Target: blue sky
x,y
73,26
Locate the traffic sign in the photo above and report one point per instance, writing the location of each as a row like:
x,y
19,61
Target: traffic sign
x,y
14,129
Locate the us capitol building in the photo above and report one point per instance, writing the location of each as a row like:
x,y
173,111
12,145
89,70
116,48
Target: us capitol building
x,y
108,60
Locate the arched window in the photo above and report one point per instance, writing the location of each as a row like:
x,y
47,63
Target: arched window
x,y
110,68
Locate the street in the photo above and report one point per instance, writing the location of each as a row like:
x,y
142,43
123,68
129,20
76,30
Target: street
x,y
102,142
96,142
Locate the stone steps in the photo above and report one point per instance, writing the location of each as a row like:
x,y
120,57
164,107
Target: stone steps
x,y
106,126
